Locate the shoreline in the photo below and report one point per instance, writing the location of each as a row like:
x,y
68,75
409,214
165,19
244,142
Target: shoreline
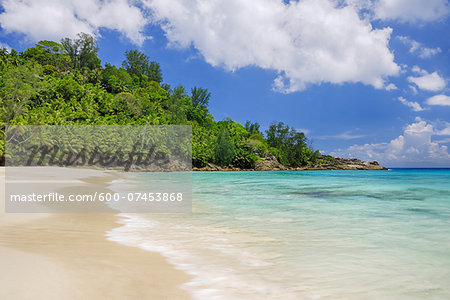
x,y
271,164
68,256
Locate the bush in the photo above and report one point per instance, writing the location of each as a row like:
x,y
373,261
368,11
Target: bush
x,y
244,158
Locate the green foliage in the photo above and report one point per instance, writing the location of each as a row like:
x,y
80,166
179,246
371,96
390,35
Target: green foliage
x,y
50,70
291,145
177,106
82,51
128,105
257,144
154,72
50,46
137,63
224,151
62,84
203,142
244,158
252,128
200,97
116,80
48,53
18,87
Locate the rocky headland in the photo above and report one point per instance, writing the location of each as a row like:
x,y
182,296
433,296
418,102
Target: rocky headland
x,y
270,163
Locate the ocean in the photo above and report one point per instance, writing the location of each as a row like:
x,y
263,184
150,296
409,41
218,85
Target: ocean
x,y
306,235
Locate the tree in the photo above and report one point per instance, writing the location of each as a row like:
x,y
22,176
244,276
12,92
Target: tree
x,y
177,106
200,97
9,59
19,85
224,153
290,144
203,141
154,72
277,135
137,63
116,80
50,46
252,128
49,53
128,105
130,95
82,51
71,49
166,87
296,150
87,51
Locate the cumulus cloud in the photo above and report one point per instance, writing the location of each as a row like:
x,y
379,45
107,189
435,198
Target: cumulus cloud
x,y
413,148
411,10
414,105
306,42
430,82
442,100
418,48
55,19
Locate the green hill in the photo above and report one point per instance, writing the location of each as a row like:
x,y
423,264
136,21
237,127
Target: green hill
x,y
65,83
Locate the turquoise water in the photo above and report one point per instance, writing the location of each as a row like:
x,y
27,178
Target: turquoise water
x,y
307,235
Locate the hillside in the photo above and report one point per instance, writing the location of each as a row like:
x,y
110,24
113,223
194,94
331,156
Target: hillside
x,y
66,84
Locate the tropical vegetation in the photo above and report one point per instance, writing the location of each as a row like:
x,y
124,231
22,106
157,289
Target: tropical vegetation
x,y
65,83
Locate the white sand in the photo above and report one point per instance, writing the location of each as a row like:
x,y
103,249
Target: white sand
x,y
66,256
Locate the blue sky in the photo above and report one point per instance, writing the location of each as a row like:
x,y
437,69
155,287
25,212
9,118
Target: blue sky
x,y
361,78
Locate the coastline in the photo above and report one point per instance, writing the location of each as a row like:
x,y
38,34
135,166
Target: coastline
x,y
270,163
67,256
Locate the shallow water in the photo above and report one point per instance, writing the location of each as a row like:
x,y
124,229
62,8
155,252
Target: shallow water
x,y
307,235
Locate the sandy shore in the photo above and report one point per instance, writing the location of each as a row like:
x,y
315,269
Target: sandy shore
x,y
66,256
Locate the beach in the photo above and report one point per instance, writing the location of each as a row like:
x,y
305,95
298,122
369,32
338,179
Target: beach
x,y
67,256
252,235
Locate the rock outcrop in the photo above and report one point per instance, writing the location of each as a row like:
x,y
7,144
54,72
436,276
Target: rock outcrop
x,y
270,163
338,163
212,167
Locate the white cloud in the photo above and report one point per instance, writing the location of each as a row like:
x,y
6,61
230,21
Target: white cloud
x,y
411,10
304,130
6,46
416,47
307,42
415,147
430,82
445,131
443,141
348,135
418,70
55,19
391,87
428,52
442,100
414,105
